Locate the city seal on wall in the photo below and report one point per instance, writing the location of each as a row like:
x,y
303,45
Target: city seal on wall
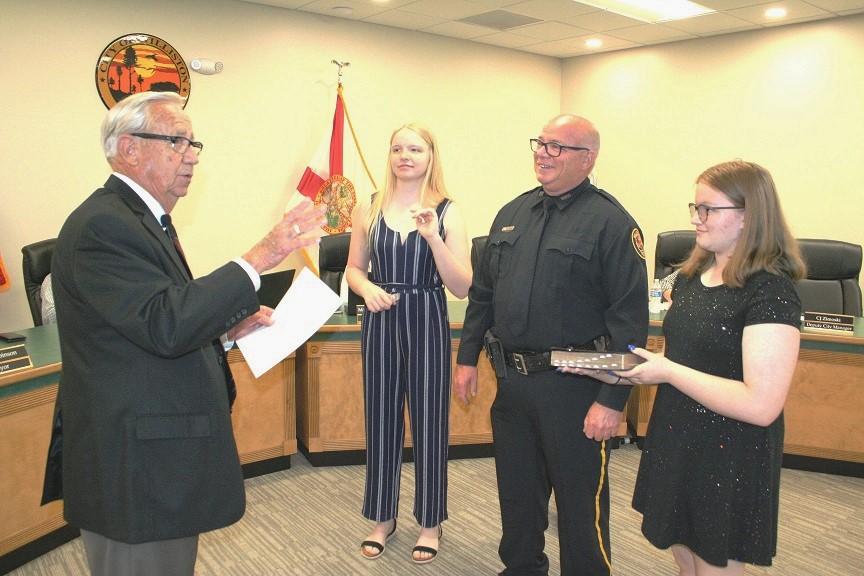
x,y
139,63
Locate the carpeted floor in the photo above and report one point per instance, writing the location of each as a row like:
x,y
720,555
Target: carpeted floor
x,y
306,522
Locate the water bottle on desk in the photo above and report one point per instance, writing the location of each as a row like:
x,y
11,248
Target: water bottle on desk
x,y
655,297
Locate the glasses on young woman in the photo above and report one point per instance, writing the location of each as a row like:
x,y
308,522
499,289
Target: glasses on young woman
x,y
704,211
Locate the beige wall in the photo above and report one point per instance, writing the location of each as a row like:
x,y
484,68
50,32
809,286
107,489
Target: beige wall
x,y
261,119
788,98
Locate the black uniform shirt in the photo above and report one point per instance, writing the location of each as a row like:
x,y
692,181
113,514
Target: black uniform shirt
x,y
589,279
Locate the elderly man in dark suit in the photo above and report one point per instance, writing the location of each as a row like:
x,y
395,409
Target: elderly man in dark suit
x,y
149,460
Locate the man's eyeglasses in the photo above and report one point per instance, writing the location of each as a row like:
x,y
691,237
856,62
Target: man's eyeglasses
x,y
553,149
704,211
180,144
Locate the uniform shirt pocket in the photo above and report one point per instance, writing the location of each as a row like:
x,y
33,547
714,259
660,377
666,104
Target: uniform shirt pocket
x,y
567,247
500,246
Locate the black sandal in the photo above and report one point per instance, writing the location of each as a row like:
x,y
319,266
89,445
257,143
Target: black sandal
x,y
376,545
433,552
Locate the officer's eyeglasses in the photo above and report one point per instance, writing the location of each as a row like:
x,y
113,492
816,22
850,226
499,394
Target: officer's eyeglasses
x,y
552,149
704,211
180,144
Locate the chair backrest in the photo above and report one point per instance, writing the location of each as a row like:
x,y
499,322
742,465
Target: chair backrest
x,y
478,244
673,248
833,269
36,265
332,259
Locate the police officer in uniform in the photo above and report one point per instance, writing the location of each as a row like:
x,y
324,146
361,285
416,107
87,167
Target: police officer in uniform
x,y
563,267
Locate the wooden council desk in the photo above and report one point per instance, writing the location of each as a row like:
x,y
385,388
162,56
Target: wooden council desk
x,y
264,428
823,415
330,420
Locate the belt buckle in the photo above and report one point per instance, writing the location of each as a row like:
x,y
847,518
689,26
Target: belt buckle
x,y
519,364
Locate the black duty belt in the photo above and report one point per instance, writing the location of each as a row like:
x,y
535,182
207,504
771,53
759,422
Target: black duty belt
x,y
528,362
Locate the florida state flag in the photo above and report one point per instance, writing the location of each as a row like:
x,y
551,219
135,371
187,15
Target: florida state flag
x,y
334,172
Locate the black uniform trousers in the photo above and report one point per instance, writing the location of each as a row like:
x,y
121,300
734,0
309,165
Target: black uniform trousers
x,y
540,446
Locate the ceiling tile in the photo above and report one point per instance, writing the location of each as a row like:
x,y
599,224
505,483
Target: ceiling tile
x,y
797,10
551,9
401,19
549,31
565,22
556,49
453,9
710,24
650,34
601,21
359,10
457,30
609,42
506,39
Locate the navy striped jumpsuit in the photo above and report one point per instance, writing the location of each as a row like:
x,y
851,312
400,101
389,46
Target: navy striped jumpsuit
x,y
406,352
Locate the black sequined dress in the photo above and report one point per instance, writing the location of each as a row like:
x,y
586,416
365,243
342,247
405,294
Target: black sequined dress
x,y
706,481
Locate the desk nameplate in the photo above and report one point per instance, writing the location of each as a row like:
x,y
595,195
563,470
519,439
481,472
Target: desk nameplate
x,y
838,324
14,358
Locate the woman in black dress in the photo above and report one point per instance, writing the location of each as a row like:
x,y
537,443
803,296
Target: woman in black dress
x,y
708,483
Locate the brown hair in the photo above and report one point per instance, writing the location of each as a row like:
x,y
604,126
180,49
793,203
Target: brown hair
x,y
766,243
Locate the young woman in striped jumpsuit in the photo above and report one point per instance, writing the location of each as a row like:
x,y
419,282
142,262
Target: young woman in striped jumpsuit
x,y
415,239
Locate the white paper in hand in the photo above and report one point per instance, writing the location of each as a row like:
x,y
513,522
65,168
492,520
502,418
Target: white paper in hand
x,y
302,311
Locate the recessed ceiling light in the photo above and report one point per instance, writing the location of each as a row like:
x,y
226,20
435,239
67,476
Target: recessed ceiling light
x,y
342,10
651,10
778,12
594,43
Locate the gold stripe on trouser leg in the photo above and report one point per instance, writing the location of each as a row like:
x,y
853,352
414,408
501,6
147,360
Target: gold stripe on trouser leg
x,y
597,504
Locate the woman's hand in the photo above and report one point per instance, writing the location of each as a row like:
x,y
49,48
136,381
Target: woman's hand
x,y
377,299
426,220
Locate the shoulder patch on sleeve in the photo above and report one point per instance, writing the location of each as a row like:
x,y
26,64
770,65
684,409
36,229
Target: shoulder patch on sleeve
x,y
638,243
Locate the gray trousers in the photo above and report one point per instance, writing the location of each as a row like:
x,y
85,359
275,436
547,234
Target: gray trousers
x,y
107,557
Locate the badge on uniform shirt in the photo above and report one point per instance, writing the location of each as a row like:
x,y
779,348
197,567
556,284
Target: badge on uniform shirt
x,y
638,243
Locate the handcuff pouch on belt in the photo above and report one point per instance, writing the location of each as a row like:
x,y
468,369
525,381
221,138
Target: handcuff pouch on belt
x,y
529,362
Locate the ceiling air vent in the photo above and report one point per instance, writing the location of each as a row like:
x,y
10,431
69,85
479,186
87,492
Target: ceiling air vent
x,y
500,20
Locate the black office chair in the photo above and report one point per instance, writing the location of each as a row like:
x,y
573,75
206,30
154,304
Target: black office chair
x,y
478,244
332,259
672,249
37,265
833,268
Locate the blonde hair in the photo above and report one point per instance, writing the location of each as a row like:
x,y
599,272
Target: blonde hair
x,y
432,191
766,242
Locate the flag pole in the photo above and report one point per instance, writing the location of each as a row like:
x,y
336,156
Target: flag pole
x,y
354,137
309,264
348,118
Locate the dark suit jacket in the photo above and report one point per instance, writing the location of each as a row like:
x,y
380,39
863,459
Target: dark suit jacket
x,y
148,448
